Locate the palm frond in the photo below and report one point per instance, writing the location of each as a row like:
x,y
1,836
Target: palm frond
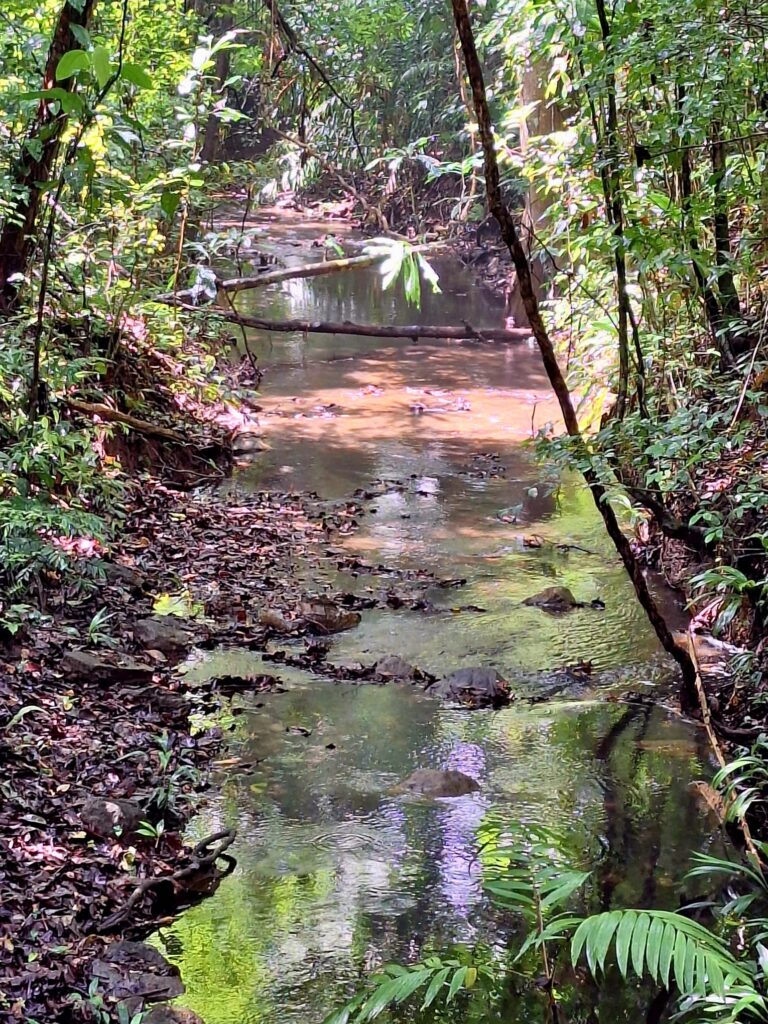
x,y
662,945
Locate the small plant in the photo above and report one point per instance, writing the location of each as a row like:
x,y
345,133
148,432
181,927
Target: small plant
x,y
97,635
156,832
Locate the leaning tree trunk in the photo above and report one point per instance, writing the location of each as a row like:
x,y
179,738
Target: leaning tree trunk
x,y
32,173
689,693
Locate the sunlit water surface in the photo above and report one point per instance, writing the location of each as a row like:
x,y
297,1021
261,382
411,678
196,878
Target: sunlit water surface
x,y
337,874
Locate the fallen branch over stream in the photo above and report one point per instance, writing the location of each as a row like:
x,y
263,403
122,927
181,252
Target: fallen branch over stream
x,y
106,412
414,331
319,269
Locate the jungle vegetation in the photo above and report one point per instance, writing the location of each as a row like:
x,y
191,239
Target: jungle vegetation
x,y
622,150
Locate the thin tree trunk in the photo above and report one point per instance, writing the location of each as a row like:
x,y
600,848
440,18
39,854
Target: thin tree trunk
x,y
729,297
615,202
32,173
711,304
212,136
689,698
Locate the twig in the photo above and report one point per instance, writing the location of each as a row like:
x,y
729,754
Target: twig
x,y
106,412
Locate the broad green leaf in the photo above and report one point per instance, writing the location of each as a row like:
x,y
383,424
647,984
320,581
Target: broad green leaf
x,y
457,981
136,75
640,936
72,62
653,950
102,65
437,983
667,952
623,939
409,983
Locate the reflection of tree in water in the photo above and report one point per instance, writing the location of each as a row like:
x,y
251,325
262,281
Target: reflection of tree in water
x,y
648,820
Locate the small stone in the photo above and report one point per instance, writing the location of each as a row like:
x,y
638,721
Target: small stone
x,y
326,617
432,782
101,816
165,1014
273,619
475,687
131,970
553,599
164,633
248,443
394,667
89,668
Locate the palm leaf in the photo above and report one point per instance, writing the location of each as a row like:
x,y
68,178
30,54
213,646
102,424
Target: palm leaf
x,y
660,944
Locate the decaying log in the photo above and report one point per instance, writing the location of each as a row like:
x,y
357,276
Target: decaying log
x,y
413,331
106,412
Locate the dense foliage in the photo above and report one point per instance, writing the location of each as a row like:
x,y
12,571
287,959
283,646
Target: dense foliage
x,y
632,143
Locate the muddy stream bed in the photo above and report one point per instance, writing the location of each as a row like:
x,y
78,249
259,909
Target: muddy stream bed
x,y
336,874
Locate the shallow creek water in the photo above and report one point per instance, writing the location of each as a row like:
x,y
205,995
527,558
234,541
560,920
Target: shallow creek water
x,y
336,874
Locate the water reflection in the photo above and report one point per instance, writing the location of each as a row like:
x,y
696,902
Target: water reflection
x,y
336,873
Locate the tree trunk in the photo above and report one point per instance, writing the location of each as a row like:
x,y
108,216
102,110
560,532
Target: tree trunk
x,y
544,119
689,694
729,297
212,136
17,239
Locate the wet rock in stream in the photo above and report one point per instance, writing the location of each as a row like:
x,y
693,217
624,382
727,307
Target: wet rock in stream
x,y
474,687
136,972
164,633
164,1014
560,599
326,617
394,667
553,599
436,784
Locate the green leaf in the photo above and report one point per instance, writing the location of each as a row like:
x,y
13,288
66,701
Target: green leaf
x,y
22,713
640,936
72,62
102,65
169,203
457,981
653,948
624,935
438,981
136,75
605,930
409,983
379,1000
667,952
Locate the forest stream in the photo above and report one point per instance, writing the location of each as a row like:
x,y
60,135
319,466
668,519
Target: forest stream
x,y
335,872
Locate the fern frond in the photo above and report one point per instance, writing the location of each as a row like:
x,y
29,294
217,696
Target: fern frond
x,y
662,945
